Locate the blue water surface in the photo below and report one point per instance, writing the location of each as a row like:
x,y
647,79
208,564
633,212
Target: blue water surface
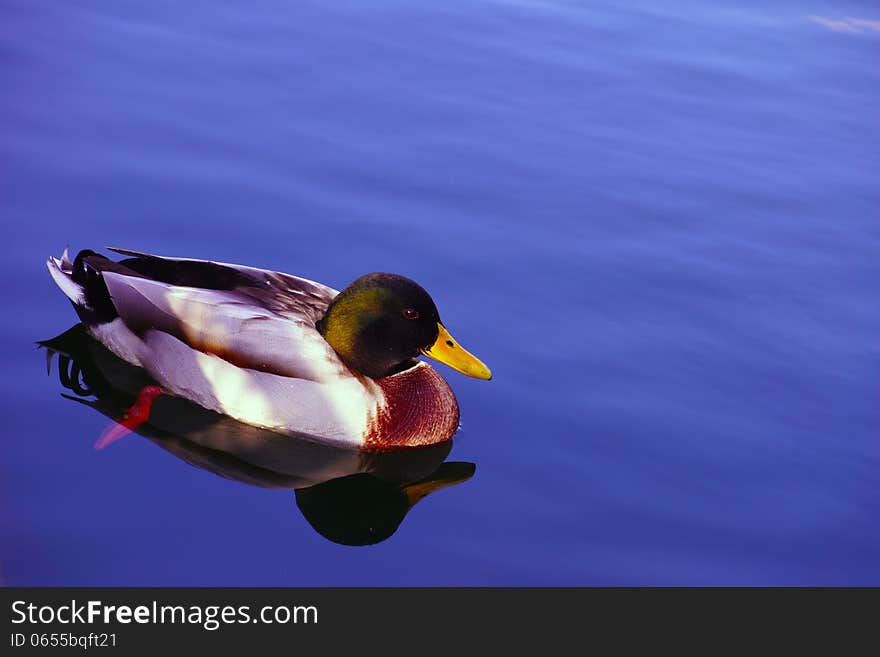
x,y
656,222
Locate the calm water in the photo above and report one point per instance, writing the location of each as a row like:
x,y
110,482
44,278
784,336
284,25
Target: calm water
x,y
657,225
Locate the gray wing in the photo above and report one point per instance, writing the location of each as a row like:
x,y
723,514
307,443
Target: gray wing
x,y
280,293
253,318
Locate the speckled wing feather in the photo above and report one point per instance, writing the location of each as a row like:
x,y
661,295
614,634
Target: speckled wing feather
x,y
288,296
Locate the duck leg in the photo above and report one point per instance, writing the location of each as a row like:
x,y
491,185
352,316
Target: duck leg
x,y
130,419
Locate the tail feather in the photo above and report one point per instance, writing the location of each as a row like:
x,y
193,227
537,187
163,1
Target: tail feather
x,y
82,283
61,270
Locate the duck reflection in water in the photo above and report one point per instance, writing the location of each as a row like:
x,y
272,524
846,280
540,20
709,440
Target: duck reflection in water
x,y
350,497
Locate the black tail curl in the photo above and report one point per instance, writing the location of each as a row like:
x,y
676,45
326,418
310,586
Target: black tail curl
x,y
86,272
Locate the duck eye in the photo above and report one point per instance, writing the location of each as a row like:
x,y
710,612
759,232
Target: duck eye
x,y
410,313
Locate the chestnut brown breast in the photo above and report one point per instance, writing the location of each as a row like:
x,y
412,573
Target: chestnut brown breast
x,y
420,409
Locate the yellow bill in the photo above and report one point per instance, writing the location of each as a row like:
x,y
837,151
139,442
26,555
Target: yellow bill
x,y
448,351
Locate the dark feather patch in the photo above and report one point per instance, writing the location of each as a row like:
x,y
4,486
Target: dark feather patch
x,y
86,271
191,273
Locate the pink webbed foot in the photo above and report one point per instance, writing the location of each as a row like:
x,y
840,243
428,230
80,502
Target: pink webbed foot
x,y
132,418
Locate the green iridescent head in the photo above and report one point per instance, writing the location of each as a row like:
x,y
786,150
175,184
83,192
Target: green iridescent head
x,y
381,322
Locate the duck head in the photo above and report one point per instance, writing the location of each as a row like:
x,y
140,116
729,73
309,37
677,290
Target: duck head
x,y
380,322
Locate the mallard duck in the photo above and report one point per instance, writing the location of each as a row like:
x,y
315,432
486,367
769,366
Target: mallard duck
x,y
274,350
